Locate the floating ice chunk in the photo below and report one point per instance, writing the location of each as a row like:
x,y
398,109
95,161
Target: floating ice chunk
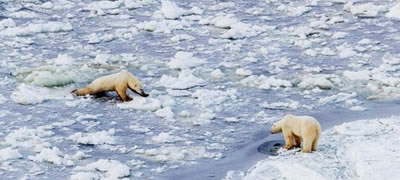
x,y
7,23
47,5
391,59
177,154
364,10
294,11
243,72
25,94
9,153
183,37
339,35
327,52
162,26
185,60
32,139
109,169
217,74
340,97
206,97
85,176
166,138
101,5
231,120
310,52
80,116
322,82
394,12
170,10
203,119
224,21
241,30
24,14
2,99
185,80
281,105
264,82
179,93
345,51
141,103
357,75
96,138
95,38
165,113
52,155
358,108
49,27
62,59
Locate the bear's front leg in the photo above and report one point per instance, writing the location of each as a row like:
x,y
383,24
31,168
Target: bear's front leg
x,y
288,140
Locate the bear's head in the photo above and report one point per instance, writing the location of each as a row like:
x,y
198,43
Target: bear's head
x,y
136,86
276,128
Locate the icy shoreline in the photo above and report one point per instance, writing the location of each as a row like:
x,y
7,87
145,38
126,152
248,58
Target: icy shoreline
x,y
235,165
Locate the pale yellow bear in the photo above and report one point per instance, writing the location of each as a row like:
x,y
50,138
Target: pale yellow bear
x,y
118,82
297,129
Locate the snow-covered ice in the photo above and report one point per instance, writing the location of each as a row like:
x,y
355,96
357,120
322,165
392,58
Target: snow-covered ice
x,y
363,149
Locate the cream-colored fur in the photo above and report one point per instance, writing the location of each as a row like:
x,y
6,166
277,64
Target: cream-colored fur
x,y
118,82
297,129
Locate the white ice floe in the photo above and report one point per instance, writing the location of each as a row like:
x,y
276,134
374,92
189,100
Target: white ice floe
x,y
141,103
394,12
166,113
170,10
25,94
30,139
9,154
162,26
317,81
51,155
295,10
340,97
185,60
364,9
364,149
49,27
166,138
243,72
185,80
96,138
217,74
3,99
206,97
101,169
62,59
264,82
177,154
7,23
293,105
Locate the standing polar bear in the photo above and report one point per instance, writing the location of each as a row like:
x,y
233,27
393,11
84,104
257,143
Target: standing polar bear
x,y
299,128
118,82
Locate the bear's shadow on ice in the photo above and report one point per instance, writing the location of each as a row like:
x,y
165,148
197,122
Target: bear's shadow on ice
x,y
270,147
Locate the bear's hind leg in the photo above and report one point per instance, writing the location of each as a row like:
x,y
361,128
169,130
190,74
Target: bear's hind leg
x,y
297,141
315,144
307,145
